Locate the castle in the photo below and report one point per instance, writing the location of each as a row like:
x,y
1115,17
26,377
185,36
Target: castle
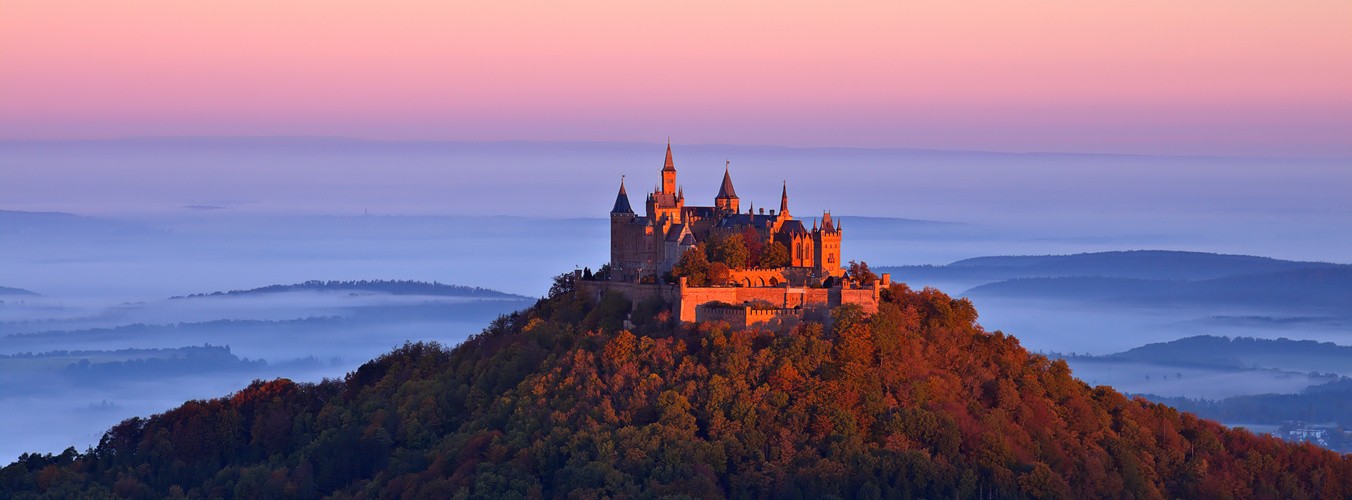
x,y
645,249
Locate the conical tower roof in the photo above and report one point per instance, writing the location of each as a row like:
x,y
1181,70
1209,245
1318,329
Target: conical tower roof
x,y
670,166
622,202
726,191
784,199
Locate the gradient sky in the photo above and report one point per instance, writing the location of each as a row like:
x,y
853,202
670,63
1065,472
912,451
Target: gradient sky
x,y
1232,77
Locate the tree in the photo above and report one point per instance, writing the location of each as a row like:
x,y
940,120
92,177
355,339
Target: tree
x,y
693,266
730,250
859,272
775,256
563,283
719,273
755,247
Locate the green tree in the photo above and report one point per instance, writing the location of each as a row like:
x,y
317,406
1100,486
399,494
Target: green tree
x,y
775,256
693,266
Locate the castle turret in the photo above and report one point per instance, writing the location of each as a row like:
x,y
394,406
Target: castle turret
x,y
621,203
784,201
669,173
827,245
621,230
727,196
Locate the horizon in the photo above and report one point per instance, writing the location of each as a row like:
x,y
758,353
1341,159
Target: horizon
x,y
1209,78
1031,152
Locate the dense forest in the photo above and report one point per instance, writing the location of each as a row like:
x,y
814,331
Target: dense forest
x,y
915,400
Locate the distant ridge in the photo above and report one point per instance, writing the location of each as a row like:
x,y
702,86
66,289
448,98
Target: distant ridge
x,y
1138,264
392,287
1312,286
5,290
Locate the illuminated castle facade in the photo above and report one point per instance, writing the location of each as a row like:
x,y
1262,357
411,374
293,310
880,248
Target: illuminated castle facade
x,y
643,248
652,243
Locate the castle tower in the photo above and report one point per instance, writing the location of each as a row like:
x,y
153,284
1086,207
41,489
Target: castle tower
x,y
784,201
727,196
669,173
827,245
620,216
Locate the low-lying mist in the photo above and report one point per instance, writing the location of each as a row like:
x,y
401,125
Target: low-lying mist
x,y
104,233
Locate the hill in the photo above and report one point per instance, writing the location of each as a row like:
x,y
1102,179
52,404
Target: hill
x,y
1327,287
916,400
1243,352
393,287
5,290
1136,264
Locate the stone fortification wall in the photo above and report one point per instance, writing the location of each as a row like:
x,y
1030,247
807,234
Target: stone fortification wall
x,y
747,317
793,303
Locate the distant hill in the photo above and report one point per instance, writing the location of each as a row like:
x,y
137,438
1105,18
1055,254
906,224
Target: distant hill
x,y
1322,287
393,287
1325,403
4,290
1241,353
916,401
1136,264
16,223
1244,352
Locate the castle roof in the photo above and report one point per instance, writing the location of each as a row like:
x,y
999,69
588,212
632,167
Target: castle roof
x,y
701,212
674,235
664,200
738,220
622,202
793,227
726,191
688,240
670,166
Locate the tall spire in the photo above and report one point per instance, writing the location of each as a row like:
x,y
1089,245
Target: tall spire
x,y
784,199
670,166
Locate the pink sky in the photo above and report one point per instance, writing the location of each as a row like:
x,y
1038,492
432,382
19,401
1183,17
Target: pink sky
x,y
1232,77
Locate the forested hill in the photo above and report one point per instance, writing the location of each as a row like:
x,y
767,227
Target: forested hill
x,y
555,401
393,287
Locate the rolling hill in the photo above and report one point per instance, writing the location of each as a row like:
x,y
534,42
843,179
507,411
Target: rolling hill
x,y
554,401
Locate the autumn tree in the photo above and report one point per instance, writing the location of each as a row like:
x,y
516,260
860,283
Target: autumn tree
x,y
719,273
774,256
693,266
755,247
860,273
730,250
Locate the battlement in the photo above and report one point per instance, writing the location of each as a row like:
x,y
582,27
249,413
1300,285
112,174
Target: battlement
x,y
772,307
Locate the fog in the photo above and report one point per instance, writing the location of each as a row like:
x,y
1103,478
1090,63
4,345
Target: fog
x,y
106,232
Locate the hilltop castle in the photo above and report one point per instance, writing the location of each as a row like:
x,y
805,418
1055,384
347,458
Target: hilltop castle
x,y
645,249
650,245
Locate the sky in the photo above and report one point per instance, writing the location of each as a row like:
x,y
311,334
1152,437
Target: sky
x,y
1228,78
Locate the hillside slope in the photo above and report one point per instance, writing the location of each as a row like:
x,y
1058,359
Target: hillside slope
x,y
916,400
